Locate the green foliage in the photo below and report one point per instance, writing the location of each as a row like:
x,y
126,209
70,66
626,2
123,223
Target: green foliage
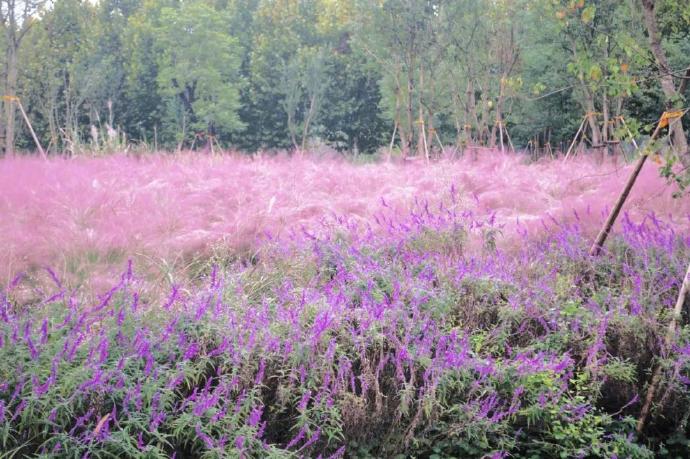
x,y
198,65
281,74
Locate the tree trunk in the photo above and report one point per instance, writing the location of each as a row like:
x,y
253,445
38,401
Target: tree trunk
x,y
10,90
407,147
456,118
596,139
497,130
307,121
471,111
666,79
605,131
421,151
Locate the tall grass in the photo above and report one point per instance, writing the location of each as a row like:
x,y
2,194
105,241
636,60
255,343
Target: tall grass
x,y
85,217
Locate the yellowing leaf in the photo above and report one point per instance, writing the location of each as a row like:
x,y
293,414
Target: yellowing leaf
x,y
588,14
595,72
667,116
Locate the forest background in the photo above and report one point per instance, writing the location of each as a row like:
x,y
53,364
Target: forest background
x,y
355,75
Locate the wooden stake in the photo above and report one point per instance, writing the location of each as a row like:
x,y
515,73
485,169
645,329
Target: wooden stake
x,y
510,142
426,147
606,229
31,129
395,130
440,144
584,120
500,134
629,133
656,377
11,99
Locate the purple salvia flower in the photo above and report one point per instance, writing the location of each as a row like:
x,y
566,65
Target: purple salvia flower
x,y
313,439
44,332
255,416
338,454
297,438
32,349
260,374
302,405
172,298
192,351
19,410
208,441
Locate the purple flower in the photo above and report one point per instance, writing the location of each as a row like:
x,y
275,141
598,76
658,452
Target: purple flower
x,y
297,438
208,441
239,442
255,416
192,351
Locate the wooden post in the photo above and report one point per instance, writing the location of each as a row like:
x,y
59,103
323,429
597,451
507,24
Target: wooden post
x,y
584,120
10,99
510,142
395,131
613,215
629,133
671,330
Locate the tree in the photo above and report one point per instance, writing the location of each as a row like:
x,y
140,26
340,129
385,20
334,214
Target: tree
x,y
352,120
16,19
673,96
198,68
57,58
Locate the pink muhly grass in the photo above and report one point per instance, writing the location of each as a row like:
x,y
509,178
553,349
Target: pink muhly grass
x,y
159,207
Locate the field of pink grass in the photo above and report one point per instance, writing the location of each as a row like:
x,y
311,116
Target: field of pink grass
x,y
98,212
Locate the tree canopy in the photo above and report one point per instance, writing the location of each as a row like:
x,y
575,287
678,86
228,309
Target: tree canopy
x,y
355,75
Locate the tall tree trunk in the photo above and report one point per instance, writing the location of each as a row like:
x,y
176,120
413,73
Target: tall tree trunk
x,y
307,121
421,151
396,126
605,111
471,111
456,117
497,129
596,139
410,116
666,79
430,129
10,90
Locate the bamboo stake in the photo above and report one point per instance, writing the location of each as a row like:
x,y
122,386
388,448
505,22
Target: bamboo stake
x,y
395,131
426,147
584,120
629,133
11,99
31,130
440,144
656,377
613,215
510,142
